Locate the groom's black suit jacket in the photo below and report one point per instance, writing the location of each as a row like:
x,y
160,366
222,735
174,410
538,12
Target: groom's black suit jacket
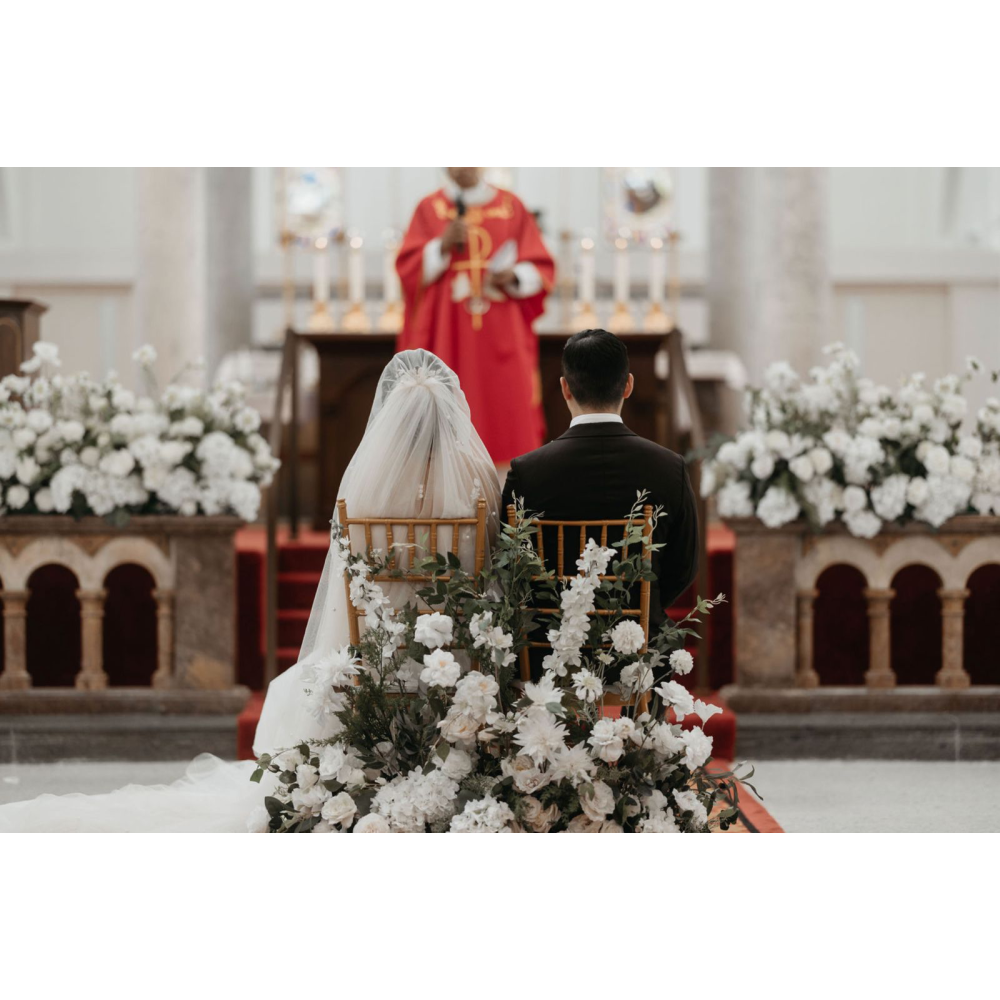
x,y
593,471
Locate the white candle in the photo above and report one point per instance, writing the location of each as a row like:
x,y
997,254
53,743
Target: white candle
x,y
621,289
587,276
321,272
390,279
356,271
657,273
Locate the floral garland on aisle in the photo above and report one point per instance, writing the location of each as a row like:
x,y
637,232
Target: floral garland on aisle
x,y
430,728
75,445
839,446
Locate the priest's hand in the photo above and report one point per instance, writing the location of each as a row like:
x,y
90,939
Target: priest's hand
x,y
503,279
456,235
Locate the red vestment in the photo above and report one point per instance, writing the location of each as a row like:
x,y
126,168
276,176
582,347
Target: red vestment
x,y
485,336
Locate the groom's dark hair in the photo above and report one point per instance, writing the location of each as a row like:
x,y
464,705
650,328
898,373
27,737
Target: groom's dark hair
x,y
595,364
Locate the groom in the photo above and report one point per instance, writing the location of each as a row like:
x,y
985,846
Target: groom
x,y
594,470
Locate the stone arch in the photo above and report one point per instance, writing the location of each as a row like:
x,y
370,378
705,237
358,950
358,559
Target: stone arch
x,y
981,552
916,651
53,623
827,552
46,551
921,550
139,551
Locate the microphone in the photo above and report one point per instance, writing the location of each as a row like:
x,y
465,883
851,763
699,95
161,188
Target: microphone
x,y
460,210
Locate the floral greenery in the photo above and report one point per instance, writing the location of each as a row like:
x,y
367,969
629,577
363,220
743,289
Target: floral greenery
x,y
840,446
75,445
430,727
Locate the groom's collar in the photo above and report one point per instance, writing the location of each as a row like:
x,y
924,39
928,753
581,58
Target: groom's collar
x,y
605,428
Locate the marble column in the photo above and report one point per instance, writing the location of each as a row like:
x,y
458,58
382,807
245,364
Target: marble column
x,y
164,675
880,674
92,676
15,676
805,675
194,280
768,282
952,673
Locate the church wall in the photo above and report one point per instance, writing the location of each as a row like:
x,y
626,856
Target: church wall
x,y
906,282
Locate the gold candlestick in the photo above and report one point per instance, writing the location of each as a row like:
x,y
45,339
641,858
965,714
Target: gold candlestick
x,y
657,320
321,320
585,318
621,319
356,319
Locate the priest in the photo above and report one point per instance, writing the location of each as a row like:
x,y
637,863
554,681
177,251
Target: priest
x,y
475,274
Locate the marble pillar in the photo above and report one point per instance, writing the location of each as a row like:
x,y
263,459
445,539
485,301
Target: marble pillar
x,y
952,673
92,676
768,279
15,676
194,277
163,677
805,675
880,673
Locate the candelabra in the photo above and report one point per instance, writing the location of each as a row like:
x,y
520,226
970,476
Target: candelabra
x,y
585,318
657,319
356,319
391,320
321,320
621,319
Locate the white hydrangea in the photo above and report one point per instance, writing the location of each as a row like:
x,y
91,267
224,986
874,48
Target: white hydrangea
x,y
485,815
735,500
777,507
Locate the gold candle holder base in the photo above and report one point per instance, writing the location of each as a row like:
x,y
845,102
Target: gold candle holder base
x,y
320,321
356,320
391,320
584,318
657,320
621,319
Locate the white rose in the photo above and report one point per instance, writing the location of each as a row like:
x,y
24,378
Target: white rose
x,y
802,468
372,823
917,491
39,420
440,669
962,468
778,442
17,497
434,630
762,466
27,470
855,499
971,447
937,460
459,728
340,809
627,637
43,500
822,460
600,805
457,765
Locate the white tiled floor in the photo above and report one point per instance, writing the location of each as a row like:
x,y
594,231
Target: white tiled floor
x,y
808,796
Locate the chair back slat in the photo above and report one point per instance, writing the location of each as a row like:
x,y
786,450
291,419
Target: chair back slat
x,y
428,533
641,612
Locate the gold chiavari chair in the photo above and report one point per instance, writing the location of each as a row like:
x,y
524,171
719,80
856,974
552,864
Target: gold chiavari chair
x,y
421,540
641,612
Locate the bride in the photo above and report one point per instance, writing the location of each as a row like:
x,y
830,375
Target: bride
x,y
420,457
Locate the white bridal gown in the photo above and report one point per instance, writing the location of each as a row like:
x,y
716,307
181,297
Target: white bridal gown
x,y
420,457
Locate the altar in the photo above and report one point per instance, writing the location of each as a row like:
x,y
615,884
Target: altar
x,y
350,365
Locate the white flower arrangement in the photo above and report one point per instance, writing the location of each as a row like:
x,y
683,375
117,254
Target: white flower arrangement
x,y
836,445
461,745
73,445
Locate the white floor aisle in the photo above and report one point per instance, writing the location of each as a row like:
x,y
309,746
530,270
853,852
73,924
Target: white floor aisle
x,y
810,796
881,796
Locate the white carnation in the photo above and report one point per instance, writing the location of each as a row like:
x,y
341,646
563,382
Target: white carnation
x,y
440,669
681,661
434,630
627,637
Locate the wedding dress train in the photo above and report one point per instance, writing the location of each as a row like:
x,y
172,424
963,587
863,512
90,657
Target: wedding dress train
x,y
420,457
